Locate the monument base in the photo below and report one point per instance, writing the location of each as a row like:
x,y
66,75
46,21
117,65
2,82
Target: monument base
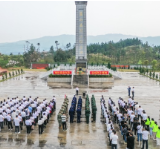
x,y
81,66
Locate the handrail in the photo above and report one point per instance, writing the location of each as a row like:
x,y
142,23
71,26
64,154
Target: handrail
x,y
72,77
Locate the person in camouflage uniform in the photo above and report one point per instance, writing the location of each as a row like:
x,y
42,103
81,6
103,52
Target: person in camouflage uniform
x,y
94,108
87,109
62,111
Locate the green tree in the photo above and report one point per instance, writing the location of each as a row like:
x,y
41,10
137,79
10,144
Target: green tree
x,y
9,74
51,50
153,74
146,63
56,42
6,75
150,74
154,64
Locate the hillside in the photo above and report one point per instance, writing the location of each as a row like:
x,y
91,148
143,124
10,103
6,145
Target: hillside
x,y
47,41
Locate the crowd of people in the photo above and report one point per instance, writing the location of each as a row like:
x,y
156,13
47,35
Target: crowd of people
x,y
28,112
132,121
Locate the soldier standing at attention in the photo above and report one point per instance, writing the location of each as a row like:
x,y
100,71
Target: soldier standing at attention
x,y
71,113
87,115
78,114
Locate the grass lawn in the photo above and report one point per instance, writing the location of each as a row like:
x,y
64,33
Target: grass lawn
x,y
127,70
36,70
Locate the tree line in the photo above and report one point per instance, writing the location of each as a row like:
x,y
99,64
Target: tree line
x,y
125,52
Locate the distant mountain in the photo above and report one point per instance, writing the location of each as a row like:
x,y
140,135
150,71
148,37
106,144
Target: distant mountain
x,y
47,41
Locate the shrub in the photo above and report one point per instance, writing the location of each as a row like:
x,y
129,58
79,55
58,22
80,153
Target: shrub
x,y
59,76
101,76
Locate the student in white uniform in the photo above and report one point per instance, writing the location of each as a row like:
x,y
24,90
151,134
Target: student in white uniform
x,y
28,125
1,121
132,119
16,122
21,121
9,121
40,125
5,117
140,110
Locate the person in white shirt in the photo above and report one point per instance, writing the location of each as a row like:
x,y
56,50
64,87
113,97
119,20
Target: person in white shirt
x,y
140,110
145,134
16,123
4,107
7,106
5,117
77,89
23,114
132,119
40,125
144,118
33,106
114,139
21,121
1,109
136,108
1,121
139,132
13,115
8,110
9,121
28,125
30,99
24,98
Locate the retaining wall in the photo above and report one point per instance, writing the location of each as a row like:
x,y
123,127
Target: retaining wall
x,y
103,83
59,82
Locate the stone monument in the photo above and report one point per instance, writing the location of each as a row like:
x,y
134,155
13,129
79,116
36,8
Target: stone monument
x,y
81,36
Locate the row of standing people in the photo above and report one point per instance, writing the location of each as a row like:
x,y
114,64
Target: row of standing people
x,y
73,109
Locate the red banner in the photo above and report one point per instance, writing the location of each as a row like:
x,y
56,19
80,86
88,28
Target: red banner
x,y
120,66
62,72
99,72
39,66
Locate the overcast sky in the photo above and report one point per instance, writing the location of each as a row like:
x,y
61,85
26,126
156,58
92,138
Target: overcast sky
x,y
29,20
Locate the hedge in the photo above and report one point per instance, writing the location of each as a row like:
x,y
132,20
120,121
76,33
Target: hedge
x,y
59,76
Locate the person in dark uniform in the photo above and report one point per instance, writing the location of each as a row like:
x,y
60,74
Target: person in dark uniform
x,y
71,113
78,114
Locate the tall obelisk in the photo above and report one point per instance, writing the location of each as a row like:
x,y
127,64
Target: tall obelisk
x,y
81,34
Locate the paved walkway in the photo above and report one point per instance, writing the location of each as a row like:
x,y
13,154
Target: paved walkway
x,y
92,135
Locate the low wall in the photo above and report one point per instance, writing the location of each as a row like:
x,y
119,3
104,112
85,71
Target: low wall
x,y
103,83
59,82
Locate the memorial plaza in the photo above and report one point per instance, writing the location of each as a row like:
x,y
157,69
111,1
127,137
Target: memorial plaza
x,y
78,135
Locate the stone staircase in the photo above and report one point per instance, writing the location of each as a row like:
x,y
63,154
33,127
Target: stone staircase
x,y
81,81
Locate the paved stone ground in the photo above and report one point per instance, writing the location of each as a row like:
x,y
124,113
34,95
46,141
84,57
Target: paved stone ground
x,y
78,136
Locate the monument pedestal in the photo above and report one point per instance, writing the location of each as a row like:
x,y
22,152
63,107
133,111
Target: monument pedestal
x,y
81,66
